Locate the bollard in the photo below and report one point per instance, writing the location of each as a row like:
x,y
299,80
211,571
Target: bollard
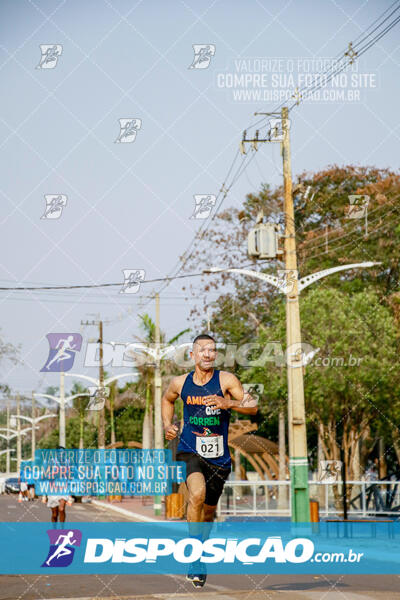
x,y
314,511
175,506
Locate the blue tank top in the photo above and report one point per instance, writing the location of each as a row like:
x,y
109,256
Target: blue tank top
x,y
205,429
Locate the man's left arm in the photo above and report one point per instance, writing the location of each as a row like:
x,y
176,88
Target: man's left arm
x,y
240,400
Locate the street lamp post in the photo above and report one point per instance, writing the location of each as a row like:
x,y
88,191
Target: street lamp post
x,y
7,451
9,435
296,416
157,354
15,433
33,421
99,383
61,401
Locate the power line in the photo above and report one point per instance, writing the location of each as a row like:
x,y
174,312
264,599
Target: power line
x,y
89,286
370,233
331,72
101,285
247,159
332,241
332,231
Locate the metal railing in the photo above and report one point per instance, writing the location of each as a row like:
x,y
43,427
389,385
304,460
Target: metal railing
x,y
273,498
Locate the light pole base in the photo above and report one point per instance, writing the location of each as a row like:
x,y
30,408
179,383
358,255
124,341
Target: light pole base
x,y
157,506
300,493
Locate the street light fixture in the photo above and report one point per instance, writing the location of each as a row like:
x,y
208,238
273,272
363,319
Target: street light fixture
x,y
298,461
33,421
157,353
61,400
98,383
8,437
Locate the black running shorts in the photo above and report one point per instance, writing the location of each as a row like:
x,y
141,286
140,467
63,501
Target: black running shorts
x,y
214,475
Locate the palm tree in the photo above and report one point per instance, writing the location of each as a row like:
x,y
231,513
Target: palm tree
x,y
111,401
146,375
80,405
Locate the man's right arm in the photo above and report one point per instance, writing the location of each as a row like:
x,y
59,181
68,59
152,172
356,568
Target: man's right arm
x,y
167,409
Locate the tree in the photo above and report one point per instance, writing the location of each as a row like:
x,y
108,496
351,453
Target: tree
x,y
247,310
145,385
80,405
8,353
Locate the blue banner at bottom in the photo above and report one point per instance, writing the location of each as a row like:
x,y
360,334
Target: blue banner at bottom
x,y
166,547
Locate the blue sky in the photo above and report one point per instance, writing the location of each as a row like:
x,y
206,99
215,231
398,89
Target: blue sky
x,y
128,205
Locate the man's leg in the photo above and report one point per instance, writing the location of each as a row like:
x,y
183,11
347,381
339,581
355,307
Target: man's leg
x,y
61,509
209,513
196,486
208,518
54,514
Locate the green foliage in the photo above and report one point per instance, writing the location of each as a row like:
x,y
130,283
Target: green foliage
x,y
128,424
353,313
71,435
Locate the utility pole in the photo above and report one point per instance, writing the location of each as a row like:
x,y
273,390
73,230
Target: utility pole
x,y
33,427
61,432
102,425
18,434
8,442
282,489
101,428
296,411
158,430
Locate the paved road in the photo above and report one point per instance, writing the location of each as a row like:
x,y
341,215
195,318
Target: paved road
x,y
174,587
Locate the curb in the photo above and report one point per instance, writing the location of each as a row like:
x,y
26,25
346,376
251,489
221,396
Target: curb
x,y
127,513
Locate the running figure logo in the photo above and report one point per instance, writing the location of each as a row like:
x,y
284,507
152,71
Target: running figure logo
x,y
128,130
276,131
132,280
358,206
205,433
286,280
62,547
98,397
203,54
50,55
54,206
63,347
203,206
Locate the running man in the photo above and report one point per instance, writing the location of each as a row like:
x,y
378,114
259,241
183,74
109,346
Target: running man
x,y
62,549
208,397
63,352
57,505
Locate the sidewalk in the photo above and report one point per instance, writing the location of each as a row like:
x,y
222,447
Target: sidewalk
x,y
134,508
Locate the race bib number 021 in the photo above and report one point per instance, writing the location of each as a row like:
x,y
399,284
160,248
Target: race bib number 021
x,y
210,446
